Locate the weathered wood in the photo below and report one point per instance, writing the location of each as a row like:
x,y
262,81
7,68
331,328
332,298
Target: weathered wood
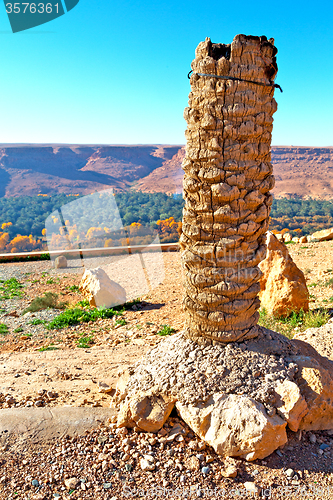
x,y
228,176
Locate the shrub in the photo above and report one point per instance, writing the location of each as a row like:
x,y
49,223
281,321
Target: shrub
x,y
166,330
48,300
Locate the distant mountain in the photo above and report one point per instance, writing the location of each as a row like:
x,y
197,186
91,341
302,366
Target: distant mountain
x,y
72,169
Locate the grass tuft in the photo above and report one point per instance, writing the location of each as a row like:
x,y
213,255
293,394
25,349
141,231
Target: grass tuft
x,y
166,330
48,300
287,325
72,317
10,289
3,329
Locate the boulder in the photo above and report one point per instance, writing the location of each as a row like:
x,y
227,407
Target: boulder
x,y
60,262
316,386
324,235
235,426
295,239
290,404
100,290
303,239
287,237
147,411
279,237
283,285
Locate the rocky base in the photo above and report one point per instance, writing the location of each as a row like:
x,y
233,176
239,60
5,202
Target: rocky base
x,y
237,397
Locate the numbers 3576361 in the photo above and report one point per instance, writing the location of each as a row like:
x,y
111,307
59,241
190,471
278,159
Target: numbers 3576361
x,y
31,8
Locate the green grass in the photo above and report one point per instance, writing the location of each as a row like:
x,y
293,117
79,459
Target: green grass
x,y
83,303
77,315
166,330
37,321
85,342
2,311
50,347
286,324
48,300
10,289
18,330
313,285
73,288
50,281
120,321
329,282
3,329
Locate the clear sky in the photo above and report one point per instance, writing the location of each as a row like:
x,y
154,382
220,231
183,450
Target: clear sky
x,y
115,72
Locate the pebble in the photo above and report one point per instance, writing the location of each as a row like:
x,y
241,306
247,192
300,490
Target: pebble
x,y
200,456
35,483
251,487
107,486
205,470
312,438
71,483
279,453
289,473
324,446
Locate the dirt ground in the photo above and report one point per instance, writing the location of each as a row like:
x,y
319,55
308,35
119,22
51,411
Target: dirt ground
x,y
40,367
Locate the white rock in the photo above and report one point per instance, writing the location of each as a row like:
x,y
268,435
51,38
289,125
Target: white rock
x,y
100,290
235,426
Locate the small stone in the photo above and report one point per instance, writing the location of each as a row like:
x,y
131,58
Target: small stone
x,y
128,467
255,472
35,483
323,446
251,487
72,482
290,473
205,470
192,463
279,453
182,479
312,438
147,463
200,456
107,486
320,452
60,262
230,471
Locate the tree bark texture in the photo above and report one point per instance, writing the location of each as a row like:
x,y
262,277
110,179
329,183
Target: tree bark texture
x,y
227,183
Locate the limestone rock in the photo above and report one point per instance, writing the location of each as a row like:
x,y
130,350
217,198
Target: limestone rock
x,y
295,239
287,237
148,412
60,262
316,386
321,339
283,285
324,235
236,426
290,405
100,290
279,237
303,239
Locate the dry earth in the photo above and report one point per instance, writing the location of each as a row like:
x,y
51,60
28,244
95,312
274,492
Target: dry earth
x,y
105,462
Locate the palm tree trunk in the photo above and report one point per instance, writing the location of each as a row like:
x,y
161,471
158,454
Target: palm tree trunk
x,y
228,176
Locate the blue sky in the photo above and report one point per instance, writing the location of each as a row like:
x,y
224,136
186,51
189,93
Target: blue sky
x,y
116,72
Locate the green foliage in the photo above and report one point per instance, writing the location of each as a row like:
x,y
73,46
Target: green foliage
x,y
83,303
18,329
50,347
10,289
121,322
329,282
287,325
37,321
166,330
48,300
74,288
3,329
77,315
85,342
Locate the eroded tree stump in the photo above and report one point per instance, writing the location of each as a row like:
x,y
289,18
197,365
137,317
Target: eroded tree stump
x,y
228,176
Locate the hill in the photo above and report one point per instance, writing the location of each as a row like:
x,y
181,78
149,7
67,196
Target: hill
x,y
71,169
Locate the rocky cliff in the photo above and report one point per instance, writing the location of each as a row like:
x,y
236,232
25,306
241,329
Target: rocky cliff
x,y
46,169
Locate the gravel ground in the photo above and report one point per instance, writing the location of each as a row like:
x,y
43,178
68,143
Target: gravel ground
x,y
100,461
115,464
